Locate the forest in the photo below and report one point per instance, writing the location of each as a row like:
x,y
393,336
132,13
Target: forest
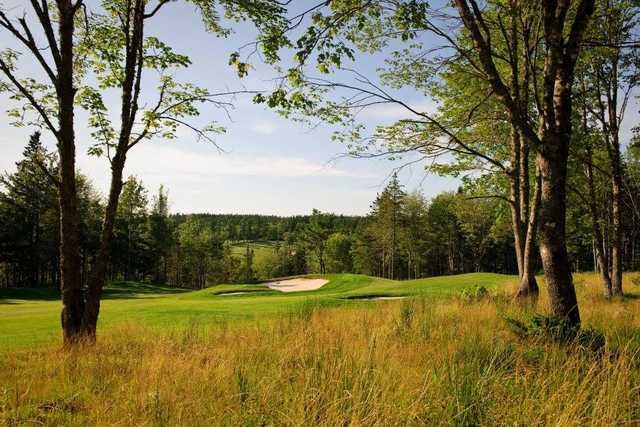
x,y
405,236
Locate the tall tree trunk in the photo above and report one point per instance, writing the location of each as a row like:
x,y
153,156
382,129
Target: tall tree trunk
x,y
70,267
552,164
554,135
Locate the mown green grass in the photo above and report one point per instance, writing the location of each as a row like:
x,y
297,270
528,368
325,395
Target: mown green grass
x,y
31,317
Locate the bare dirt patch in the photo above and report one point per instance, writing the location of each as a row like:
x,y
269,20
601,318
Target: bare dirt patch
x,y
297,285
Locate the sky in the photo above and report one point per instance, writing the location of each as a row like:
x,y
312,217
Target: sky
x,y
268,164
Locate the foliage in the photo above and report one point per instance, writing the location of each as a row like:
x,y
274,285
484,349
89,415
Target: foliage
x,y
476,293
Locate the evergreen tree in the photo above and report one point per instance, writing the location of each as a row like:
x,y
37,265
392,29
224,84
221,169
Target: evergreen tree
x,y
160,234
387,216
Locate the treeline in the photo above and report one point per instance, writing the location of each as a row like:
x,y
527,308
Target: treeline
x,y
149,243
243,227
405,236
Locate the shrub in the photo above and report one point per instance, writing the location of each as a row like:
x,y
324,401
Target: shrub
x,y
557,329
476,293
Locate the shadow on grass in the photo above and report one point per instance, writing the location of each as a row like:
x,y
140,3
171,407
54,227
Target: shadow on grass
x,y
245,292
125,290
39,294
373,297
115,290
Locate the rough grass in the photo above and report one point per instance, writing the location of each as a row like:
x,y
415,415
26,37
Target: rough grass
x,y
421,361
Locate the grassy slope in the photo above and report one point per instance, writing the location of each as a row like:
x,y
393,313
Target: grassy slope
x,y
30,317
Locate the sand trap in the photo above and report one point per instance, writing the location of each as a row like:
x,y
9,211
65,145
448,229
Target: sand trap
x,y
232,293
297,285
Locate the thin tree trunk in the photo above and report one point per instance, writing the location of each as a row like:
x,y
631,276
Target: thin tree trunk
x,y
129,107
528,283
514,205
600,249
98,271
616,202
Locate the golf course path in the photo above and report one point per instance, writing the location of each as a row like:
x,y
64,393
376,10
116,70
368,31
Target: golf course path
x,y
297,285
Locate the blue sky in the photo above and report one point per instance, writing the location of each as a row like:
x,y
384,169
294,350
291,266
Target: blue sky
x,y
270,165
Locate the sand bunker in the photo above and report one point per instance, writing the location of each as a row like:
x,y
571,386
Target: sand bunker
x,y
232,293
297,285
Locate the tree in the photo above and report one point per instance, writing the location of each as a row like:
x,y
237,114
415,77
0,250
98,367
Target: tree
x,y
413,243
562,36
130,228
160,234
584,183
476,218
120,55
53,104
199,250
632,200
315,237
229,264
29,218
112,50
445,235
364,252
480,137
347,26
609,74
247,265
387,220
339,253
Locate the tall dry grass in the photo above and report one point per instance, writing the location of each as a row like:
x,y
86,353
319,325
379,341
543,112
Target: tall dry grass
x,y
421,361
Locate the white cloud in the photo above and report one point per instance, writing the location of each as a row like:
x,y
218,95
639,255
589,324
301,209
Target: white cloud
x,y
264,127
171,161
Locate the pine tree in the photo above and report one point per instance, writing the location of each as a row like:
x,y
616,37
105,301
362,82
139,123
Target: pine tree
x,y
160,234
387,215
